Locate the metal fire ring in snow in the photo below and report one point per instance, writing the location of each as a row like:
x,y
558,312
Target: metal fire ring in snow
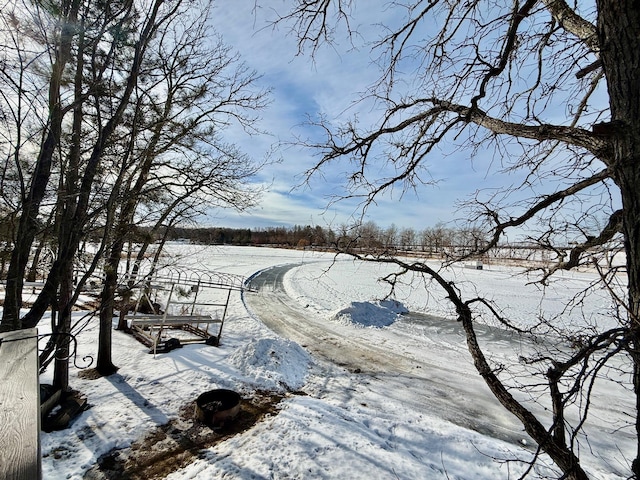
x,y
218,408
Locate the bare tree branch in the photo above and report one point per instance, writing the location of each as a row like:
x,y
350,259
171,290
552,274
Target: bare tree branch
x,y
477,75
573,23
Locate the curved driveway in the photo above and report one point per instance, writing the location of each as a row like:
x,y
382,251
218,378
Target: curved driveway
x,y
440,381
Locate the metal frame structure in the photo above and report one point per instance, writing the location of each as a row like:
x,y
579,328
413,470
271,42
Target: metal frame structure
x,y
163,291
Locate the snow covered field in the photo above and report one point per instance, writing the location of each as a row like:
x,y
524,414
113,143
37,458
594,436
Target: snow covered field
x,y
424,414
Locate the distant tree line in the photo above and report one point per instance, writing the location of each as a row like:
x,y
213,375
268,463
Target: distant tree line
x,y
365,236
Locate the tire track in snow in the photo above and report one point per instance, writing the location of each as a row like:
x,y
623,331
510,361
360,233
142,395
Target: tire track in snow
x,y
432,382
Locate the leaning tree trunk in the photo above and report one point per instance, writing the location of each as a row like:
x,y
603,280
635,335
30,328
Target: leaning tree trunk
x,y
553,445
549,441
619,37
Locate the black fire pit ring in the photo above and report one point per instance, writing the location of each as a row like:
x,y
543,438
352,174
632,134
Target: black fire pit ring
x,y
217,408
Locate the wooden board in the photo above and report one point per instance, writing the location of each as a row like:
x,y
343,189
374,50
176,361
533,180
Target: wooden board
x,y
19,406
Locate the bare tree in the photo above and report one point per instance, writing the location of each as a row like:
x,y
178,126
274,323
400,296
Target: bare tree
x,y
390,237
97,54
407,238
20,100
369,236
192,87
138,95
551,89
436,239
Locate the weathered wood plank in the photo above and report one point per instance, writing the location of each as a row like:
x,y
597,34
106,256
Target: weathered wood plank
x,y
19,406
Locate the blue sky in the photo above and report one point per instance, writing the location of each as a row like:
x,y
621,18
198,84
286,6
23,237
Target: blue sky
x,y
327,85
301,86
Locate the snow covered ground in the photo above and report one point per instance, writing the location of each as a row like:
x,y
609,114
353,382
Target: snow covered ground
x,y
344,413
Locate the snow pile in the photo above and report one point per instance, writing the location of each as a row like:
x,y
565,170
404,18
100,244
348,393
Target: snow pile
x,y
378,314
273,363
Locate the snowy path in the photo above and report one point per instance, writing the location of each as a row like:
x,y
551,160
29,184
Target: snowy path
x,y
423,359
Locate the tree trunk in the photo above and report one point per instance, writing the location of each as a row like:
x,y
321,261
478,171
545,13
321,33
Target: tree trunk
x,y
32,274
63,332
27,226
629,180
619,37
104,363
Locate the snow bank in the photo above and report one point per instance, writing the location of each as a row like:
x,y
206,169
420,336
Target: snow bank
x,y
377,314
273,363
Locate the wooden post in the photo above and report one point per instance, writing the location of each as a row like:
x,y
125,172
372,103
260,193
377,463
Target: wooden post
x,y
19,406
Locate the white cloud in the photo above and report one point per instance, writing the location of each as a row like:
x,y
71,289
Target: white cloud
x,y
328,86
